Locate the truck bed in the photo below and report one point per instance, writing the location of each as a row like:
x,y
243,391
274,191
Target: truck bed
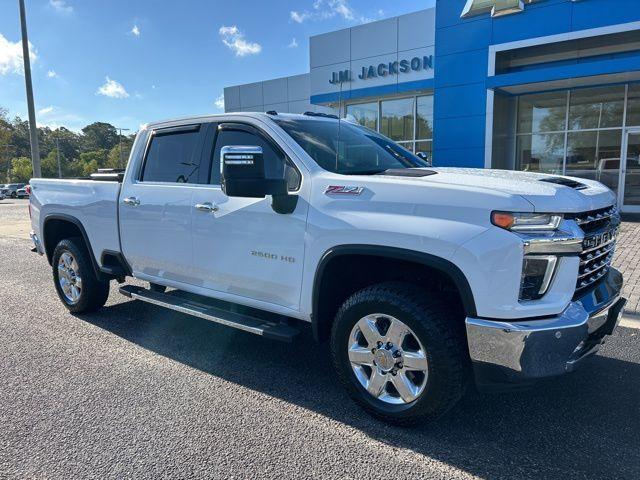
x,y
93,203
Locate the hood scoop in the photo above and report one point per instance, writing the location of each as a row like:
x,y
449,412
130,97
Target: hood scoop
x,y
565,182
407,172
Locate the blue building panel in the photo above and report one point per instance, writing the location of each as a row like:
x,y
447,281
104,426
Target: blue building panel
x,y
460,131
547,19
461,100
588,14
462,68
460,157
463,37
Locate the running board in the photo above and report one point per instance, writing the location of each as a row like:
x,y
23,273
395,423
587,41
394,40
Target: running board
x,y
203,307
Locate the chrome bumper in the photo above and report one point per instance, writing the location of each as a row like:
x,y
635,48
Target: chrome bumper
x,y
515,353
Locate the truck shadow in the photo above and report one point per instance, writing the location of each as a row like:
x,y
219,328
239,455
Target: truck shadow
x,y
584,425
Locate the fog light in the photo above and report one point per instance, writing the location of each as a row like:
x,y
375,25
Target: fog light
x,y
537,273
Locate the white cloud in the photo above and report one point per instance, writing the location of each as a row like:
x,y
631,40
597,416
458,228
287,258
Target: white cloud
x,y
11,56
61,6
299,17
293,44
325,9
233,38
112,89
43,112
135,30
52,74
219,103
55,117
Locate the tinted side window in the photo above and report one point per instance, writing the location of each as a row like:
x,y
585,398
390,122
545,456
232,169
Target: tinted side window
x,y
173,157
275,163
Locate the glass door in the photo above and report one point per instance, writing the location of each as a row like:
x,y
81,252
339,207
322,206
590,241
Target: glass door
x,y
630,172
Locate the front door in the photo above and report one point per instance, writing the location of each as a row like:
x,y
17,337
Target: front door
x,y
630,172
242,248
155,208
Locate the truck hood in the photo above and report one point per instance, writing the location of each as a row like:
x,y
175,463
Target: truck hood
x,y
547,193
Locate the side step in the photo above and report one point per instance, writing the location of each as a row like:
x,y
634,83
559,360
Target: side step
x,y
213,310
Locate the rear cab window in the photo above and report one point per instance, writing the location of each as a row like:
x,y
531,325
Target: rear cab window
x,y
174,156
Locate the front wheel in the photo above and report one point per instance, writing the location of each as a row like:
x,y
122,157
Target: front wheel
x,y
399,353
74,278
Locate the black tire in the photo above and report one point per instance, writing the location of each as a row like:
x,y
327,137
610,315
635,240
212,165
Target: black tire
x,y
14,195
154,287
94,292
438,325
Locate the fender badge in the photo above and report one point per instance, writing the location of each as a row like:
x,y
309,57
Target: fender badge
x,y
343,190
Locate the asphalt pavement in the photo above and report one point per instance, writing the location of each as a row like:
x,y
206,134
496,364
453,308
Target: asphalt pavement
x,y
133,391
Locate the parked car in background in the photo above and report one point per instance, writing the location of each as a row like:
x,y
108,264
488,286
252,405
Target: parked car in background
x,y
23,192
11,189
2,197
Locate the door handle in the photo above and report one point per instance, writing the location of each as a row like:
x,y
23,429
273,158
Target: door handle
x,y
206,207
131,201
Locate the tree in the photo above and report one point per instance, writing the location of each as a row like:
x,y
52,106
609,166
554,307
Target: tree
x,y
21,170
5,141
99,136
113,159
50,164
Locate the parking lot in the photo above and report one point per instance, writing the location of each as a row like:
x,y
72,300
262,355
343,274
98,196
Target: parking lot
x,y
135,392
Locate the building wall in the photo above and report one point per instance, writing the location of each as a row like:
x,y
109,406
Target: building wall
x,y
462,86
286,94
383,43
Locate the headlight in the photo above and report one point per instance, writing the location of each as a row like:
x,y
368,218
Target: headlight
x,y
526,222
537,273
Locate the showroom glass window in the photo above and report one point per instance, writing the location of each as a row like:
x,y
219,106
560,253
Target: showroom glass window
x,y
575,132
408,121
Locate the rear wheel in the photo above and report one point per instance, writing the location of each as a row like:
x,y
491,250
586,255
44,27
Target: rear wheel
x,y
74,278
399,353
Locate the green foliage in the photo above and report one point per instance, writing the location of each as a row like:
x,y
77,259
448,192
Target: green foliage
x,y
98,146
21,170
115,159
99,136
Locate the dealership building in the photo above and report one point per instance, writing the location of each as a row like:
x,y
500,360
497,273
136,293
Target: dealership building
x,y
539,85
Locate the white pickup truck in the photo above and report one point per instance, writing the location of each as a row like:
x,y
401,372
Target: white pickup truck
x,y
422,279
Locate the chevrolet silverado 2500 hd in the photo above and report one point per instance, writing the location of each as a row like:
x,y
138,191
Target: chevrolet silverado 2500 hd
x,y
420,278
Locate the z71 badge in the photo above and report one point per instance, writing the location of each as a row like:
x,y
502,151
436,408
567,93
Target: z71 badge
x,y
343,190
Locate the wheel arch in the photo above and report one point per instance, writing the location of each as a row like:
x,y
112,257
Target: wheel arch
x,y
321,320
58,226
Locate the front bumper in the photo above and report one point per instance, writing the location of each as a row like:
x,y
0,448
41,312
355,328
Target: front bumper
x,y
507,354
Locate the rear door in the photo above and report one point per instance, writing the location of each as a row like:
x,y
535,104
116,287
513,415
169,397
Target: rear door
x,y
155,208
242,248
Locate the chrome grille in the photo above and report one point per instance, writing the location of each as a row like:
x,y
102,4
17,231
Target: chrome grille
x,y
601,231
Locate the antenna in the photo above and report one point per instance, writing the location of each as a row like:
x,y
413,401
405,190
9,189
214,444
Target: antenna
x,y
339,115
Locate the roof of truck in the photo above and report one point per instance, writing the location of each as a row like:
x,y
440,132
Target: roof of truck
x,y
256,115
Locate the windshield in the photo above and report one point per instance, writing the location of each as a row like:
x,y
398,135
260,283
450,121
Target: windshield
x,y
359,150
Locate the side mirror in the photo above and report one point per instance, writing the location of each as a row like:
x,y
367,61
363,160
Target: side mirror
x,y
242,172
425,156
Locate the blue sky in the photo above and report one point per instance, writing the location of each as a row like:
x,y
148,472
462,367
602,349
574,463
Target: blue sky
x,y
128,62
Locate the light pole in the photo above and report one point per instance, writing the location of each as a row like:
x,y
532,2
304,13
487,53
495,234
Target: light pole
x,y
120,142
33,130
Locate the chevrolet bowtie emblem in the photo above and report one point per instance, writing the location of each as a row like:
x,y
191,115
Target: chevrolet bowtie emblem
x,y
496,7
